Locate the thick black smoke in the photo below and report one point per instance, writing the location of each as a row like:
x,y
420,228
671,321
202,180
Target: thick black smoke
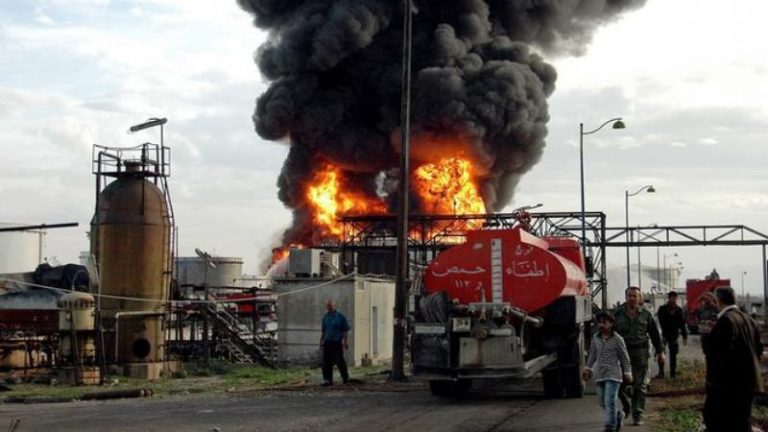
x,y
335,68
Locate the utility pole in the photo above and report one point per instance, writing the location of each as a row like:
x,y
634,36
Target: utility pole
x,y
401,289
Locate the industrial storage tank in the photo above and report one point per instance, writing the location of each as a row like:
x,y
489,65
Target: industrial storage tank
x,y
76,316
510,266
132,245
193,271
20,251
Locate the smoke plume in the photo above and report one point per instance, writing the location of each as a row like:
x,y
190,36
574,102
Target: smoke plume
x,y
335,71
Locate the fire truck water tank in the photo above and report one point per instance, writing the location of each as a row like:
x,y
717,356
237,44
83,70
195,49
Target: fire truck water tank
x,y
511,266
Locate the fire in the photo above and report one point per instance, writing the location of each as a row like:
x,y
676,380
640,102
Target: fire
x,y
330,198
448,187
281,253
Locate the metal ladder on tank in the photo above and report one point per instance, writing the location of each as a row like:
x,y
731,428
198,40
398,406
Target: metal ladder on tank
x,y
243,345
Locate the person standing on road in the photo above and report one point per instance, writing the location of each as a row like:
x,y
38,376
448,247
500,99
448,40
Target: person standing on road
x,y
608,362
672,323
333,342
636,325
733,367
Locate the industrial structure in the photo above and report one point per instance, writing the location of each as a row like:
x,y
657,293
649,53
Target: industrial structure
x,y
131,241
366,301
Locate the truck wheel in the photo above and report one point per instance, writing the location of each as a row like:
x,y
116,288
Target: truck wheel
x,y
553,385
574,385
446,388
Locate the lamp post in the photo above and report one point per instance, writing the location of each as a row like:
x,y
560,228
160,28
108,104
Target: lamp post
x,y
618,123
667,276
743,273
648,188
401,289
151,122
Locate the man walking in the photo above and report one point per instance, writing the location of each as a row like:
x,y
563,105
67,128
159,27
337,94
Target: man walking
x,y
733,367
636,325
333,342
672,323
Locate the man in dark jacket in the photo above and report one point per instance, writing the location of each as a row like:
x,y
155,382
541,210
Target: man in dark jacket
x,y
733,367
638,328
672,322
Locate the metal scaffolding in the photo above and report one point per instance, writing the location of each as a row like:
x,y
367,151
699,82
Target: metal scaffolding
x,y
431,234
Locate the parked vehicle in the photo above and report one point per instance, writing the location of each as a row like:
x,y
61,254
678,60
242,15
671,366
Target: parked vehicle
x,y
694,289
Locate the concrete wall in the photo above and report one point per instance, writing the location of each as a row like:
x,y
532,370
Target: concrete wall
x,y
300,310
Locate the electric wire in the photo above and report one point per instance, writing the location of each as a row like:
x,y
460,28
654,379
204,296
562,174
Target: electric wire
x,y
185,302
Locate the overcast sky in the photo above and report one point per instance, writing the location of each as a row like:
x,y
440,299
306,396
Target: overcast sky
x,y
688,76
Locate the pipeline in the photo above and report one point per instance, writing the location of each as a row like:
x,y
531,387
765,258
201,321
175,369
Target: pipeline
x,y
537,322
118,394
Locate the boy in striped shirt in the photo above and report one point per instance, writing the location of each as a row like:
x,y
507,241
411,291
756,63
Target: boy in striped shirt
x,y
609,363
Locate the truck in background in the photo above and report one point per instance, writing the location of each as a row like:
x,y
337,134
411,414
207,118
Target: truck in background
x,y
694,289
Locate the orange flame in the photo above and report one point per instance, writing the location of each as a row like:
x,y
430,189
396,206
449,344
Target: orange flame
x,y
448,187
280,253
330,199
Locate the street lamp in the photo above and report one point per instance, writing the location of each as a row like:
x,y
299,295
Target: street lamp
x,y
648,188
667,276
743,273
399,331
151,122
618,123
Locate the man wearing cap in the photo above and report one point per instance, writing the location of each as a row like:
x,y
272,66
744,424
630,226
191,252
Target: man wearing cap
x,y
638,328
672,323
733,367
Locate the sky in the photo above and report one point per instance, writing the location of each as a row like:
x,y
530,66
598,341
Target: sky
x,y
688,77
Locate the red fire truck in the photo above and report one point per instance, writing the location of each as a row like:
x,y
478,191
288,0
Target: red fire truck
x,y
694,289
505,304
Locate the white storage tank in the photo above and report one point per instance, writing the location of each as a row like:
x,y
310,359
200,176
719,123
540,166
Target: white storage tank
x,y
20,251
191,271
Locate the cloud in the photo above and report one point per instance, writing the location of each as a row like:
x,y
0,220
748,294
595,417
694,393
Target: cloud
x,y
709,141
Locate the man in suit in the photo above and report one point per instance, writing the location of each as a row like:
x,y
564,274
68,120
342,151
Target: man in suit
x,y
733,367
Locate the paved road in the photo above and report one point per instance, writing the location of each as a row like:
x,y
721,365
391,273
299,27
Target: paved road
x,y
409,408
357,408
